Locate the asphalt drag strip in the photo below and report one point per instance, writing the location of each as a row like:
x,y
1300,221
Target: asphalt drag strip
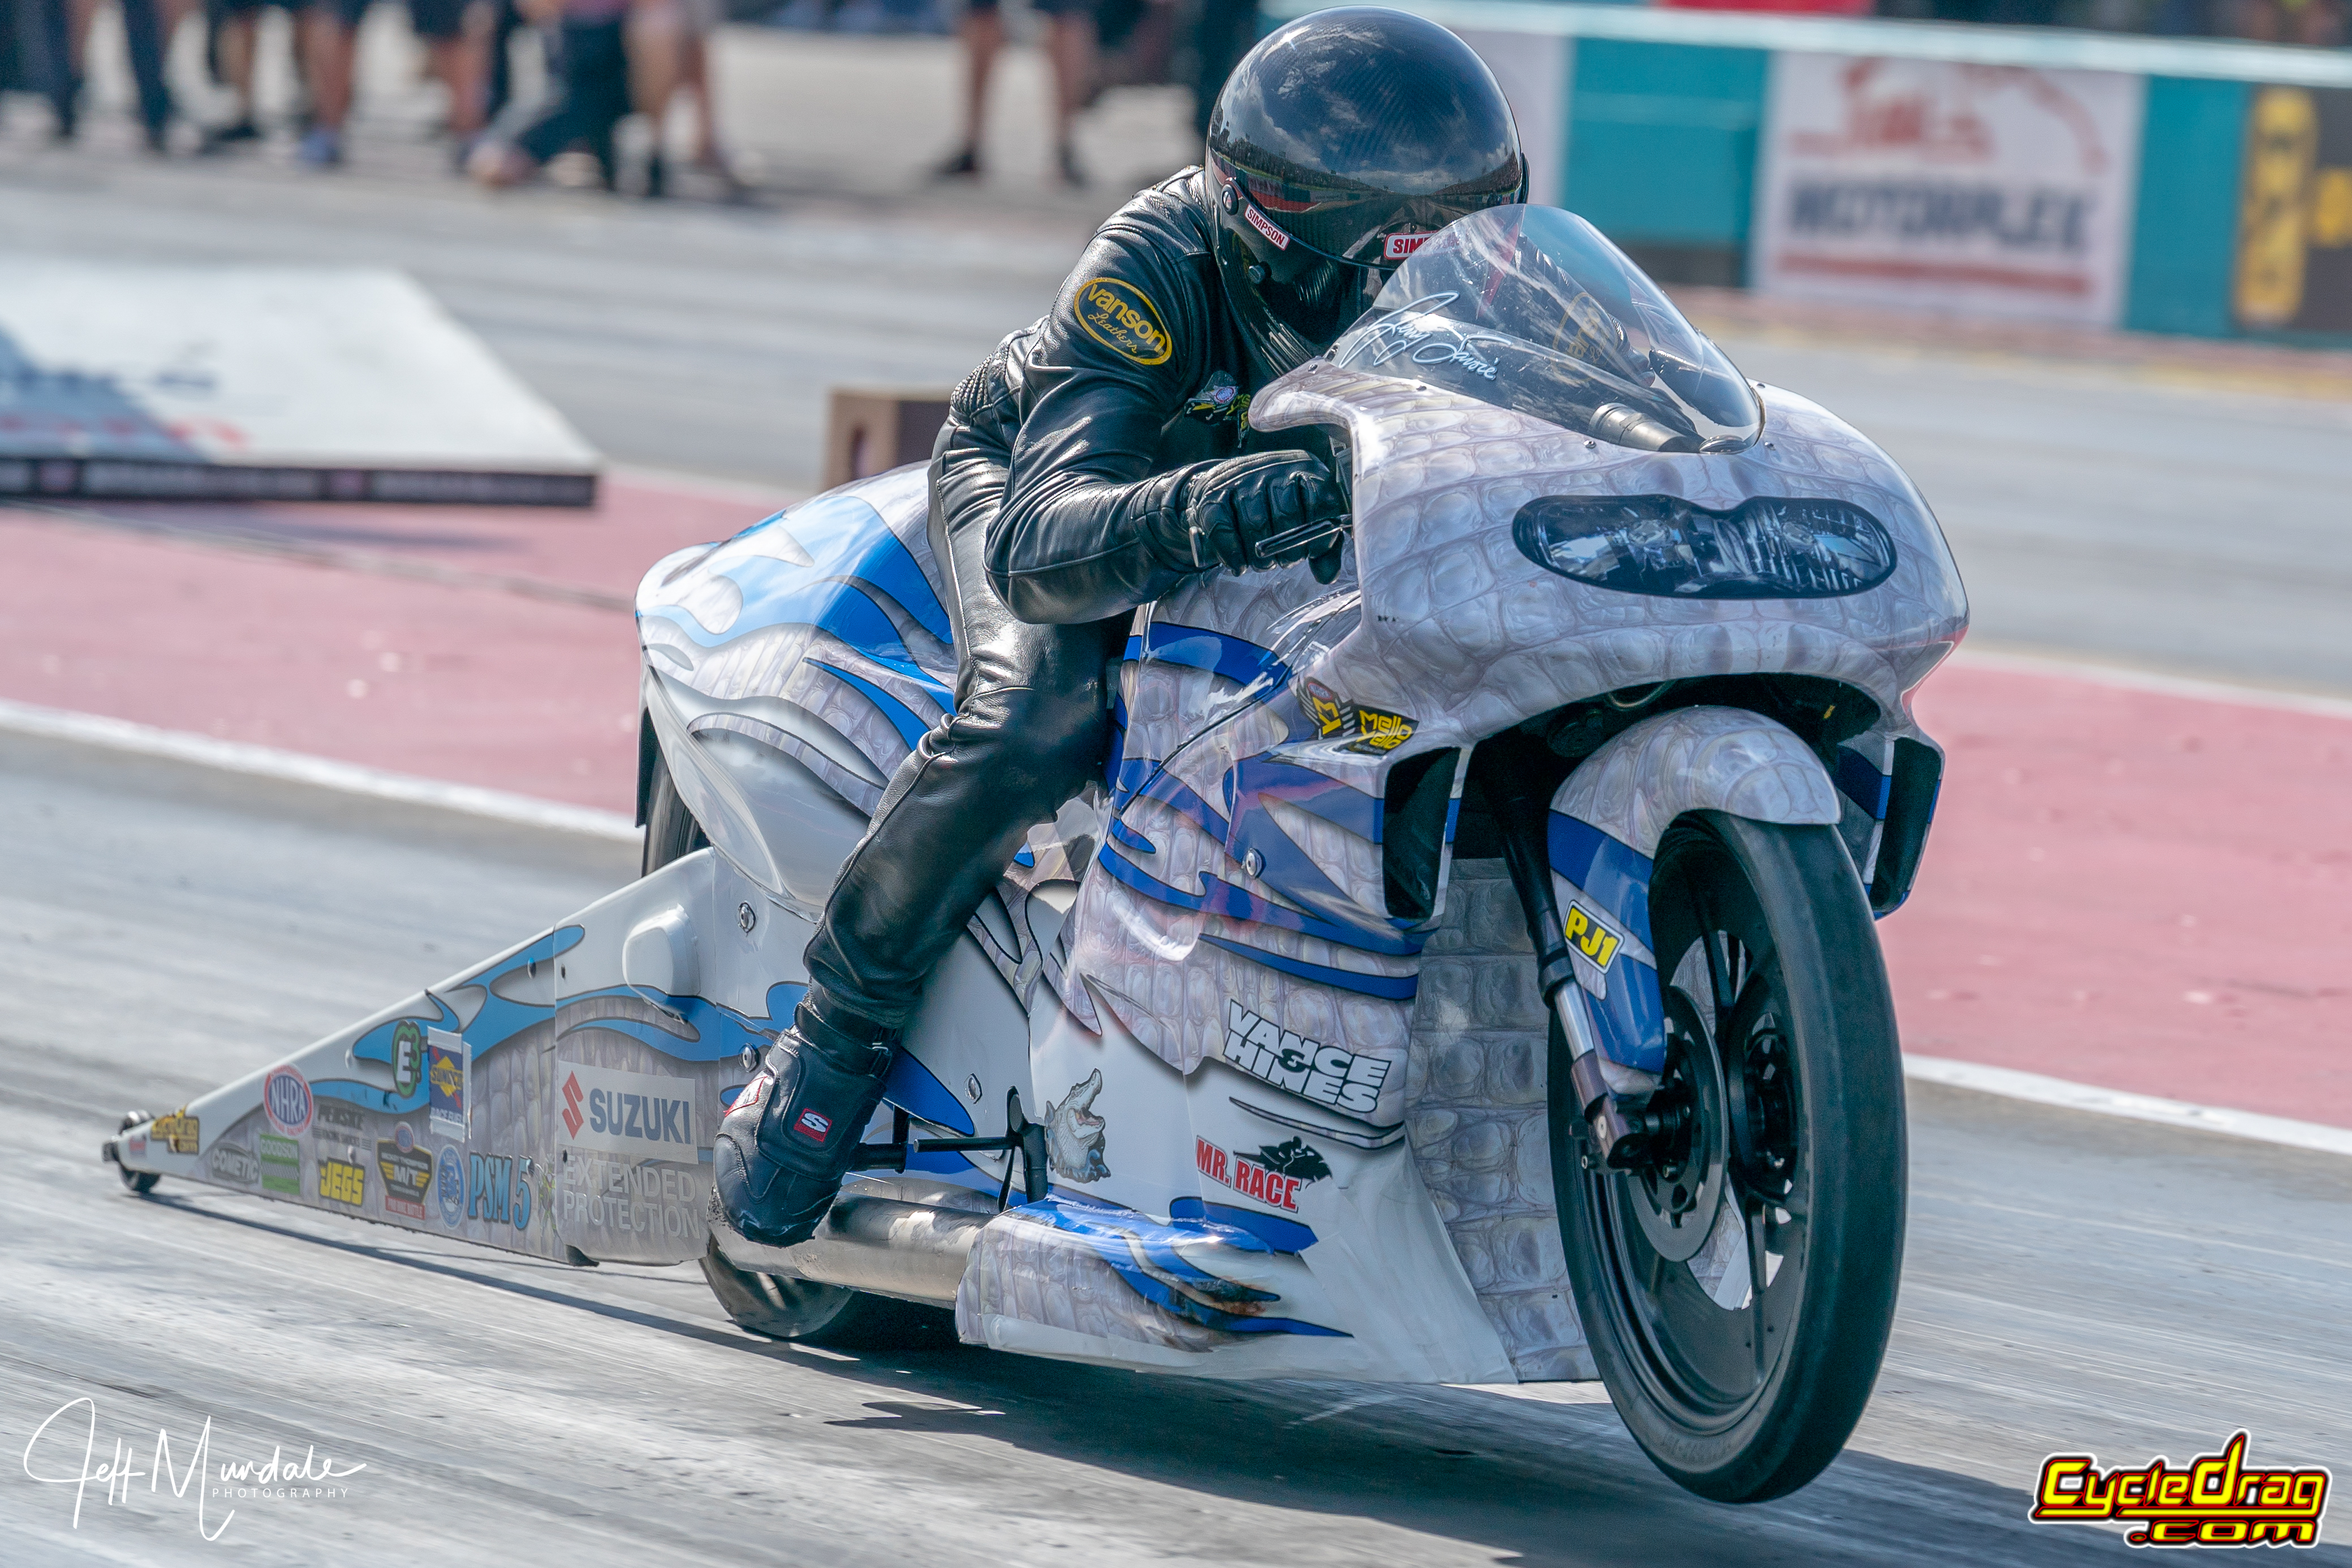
x,y
2072,1283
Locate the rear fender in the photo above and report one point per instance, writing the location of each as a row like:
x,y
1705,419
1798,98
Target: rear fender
x,y
1602,839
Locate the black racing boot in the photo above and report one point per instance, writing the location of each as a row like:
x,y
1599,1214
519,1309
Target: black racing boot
x,y
784,1147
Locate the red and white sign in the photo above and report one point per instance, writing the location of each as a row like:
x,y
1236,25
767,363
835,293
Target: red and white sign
x,y
1994,189
1400,246
1246,1176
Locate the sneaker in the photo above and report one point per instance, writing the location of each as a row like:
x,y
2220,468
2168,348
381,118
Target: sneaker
x,y
965,166
220,137
320,148
784,1146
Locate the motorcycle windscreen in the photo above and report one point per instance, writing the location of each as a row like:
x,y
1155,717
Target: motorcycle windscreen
x,y
1531,309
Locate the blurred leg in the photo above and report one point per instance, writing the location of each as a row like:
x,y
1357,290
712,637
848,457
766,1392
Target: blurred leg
x,y
52,69
236,50
983,38
327,45
146,35
1070,39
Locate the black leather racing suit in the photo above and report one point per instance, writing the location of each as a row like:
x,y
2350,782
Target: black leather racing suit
x,y
1060,451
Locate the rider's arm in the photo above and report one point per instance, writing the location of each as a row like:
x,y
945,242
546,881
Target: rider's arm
x,y
1104,373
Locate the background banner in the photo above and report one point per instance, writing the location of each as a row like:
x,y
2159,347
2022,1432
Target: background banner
x,y
1932,184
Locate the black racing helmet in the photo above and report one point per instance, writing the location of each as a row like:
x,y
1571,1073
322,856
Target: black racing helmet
x,y
1339,143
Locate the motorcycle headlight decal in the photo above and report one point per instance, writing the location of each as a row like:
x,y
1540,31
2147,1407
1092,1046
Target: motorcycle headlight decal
x,y
1770,547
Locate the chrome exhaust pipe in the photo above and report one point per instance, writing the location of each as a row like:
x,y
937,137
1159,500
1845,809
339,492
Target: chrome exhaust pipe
x,y
888,1247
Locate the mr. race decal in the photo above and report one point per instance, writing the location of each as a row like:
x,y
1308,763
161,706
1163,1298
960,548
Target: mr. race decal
x,y
1369,732
1122,317
286,1100
1273,1176
617,1113
1324,1074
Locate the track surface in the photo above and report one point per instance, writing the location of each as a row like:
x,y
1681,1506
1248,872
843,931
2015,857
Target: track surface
x,y
2072,1282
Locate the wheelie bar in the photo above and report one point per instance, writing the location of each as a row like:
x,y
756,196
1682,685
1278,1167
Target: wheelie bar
x,y
1022,1136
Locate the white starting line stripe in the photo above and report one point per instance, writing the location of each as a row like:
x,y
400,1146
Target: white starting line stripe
x,y
295,767
2032,1086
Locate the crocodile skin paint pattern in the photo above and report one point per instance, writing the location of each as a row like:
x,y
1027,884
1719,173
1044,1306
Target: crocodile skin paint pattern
x,y
1725,758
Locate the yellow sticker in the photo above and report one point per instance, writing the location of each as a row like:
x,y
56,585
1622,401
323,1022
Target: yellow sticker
x,y
1592,939
179,1129
1323,707
1381,732
1120,316
340,1181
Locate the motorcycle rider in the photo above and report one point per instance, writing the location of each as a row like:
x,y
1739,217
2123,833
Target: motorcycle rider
x,y
1090,464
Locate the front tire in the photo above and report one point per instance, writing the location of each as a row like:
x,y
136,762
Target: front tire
x,y
1740,1351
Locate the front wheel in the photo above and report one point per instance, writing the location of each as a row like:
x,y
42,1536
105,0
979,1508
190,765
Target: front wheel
x,y
1737,1288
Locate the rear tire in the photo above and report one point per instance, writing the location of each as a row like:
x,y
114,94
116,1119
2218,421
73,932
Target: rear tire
x,y
1740,1355
834,1315
769,1304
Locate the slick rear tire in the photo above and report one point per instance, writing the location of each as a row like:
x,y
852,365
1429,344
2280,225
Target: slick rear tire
x,y
1741,1367
765,1303
671,832
832,1315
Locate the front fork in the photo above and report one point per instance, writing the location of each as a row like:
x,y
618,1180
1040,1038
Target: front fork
x,y
1621,1129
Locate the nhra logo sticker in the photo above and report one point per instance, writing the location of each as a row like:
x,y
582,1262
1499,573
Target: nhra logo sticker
x,y
1324,1074
619,1112
286,1100
1273,1178
1122,317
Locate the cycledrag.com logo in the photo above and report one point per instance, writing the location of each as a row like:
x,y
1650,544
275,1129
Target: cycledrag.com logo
x,y
2217,1500
65,1451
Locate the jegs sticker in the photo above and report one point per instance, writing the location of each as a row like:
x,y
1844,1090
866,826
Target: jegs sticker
x,y
343,1182
1324,1074
1122,317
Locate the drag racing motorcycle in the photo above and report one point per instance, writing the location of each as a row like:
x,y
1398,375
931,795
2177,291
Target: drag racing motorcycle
x,y
1464,973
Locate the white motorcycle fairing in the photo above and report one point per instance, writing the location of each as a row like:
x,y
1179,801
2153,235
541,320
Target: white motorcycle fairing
x,y
1292,1130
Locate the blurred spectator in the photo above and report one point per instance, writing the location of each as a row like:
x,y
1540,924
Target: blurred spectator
x,y
1069,45
1227,29
455,36
52,37
327,36
591,94
2319,21
669,53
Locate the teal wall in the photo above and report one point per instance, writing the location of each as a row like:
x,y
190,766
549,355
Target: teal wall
x,y
1662,141
2185,231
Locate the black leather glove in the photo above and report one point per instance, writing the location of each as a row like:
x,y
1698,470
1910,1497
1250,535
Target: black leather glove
x,y
1267,509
